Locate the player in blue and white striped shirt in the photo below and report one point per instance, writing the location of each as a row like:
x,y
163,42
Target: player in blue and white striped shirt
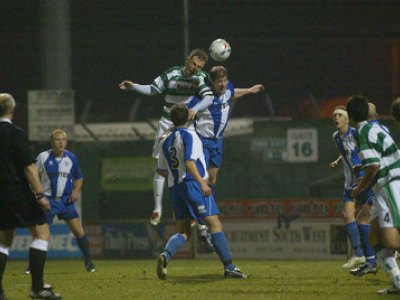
x,y
62,180
357,228
182,161
210,123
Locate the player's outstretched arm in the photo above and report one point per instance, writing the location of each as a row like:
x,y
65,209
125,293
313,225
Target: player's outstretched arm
x,y
146,89
239,92
205,102
126,85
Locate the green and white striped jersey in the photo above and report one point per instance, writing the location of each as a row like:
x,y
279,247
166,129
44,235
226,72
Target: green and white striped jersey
x,y
180,89
377,147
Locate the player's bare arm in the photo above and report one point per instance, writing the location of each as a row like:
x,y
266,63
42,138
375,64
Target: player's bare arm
x,y
32,176
165,134
144,89
192,114
76,191
240,92
370,173
335,163
192,168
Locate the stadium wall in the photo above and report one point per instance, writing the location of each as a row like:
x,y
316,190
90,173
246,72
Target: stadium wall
x,y
118,175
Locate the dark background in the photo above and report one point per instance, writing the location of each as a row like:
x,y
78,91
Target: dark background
x,y
296,49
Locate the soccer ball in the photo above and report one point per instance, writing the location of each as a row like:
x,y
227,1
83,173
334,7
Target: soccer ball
x,y
220,50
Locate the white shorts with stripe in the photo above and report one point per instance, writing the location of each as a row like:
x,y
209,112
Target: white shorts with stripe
x,y
387,205
163,125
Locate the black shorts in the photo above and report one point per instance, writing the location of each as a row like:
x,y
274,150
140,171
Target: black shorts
x,y
18,208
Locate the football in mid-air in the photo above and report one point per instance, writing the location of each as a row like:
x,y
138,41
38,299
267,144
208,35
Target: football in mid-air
x,y
220,50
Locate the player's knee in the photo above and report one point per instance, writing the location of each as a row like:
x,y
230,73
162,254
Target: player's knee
x,y
78,233
348,215
41,232
213,224
362,220
391,243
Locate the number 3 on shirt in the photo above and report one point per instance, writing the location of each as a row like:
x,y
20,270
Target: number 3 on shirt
x,y
174,160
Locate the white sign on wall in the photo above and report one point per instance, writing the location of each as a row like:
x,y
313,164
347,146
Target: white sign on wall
x,y
49,110
314,239
302,145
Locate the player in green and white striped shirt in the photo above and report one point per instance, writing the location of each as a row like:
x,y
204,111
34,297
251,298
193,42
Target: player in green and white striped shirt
x,y
178,84
380,158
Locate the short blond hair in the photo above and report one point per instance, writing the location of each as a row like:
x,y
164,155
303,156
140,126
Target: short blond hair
x,y
58,131
7,104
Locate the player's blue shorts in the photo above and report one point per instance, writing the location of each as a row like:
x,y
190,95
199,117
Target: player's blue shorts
x,y
366,197
213,152
61,208
188,201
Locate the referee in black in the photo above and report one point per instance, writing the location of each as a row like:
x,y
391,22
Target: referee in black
x,y
21,200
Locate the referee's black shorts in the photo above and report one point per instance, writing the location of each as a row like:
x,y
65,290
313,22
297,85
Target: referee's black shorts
x,y
18,208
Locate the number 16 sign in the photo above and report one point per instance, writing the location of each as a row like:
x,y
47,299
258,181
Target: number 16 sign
x,y
302,144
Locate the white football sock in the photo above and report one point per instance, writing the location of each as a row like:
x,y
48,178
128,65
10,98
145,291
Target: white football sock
x,y
388,263
158,189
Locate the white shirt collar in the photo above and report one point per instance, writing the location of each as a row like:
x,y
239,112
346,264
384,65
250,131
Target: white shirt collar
x,y
361,124
5,120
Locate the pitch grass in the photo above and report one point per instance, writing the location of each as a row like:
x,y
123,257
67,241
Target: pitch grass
x,y
198,279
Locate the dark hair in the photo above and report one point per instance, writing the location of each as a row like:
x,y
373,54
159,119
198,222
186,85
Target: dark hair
x,y
396,109
179,114
357,108
200,53
218,72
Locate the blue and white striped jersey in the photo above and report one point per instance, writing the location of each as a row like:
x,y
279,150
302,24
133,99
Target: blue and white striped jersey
x,y
211,122
347,147
379,124
181,145
58,175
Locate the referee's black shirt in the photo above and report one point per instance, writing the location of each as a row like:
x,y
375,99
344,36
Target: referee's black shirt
x,y
14,155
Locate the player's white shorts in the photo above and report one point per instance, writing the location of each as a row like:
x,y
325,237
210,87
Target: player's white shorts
x,y
163,125
387,205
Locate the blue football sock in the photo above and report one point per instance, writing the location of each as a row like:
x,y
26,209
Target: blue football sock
x,y
354,237
174,243
83,244
220,243
363,229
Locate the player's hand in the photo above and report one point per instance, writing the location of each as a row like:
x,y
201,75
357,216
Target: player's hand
x,y
357,180
74,197
44,203
163,136
257,88
355,192
192,114
206,189
126,85
333,164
